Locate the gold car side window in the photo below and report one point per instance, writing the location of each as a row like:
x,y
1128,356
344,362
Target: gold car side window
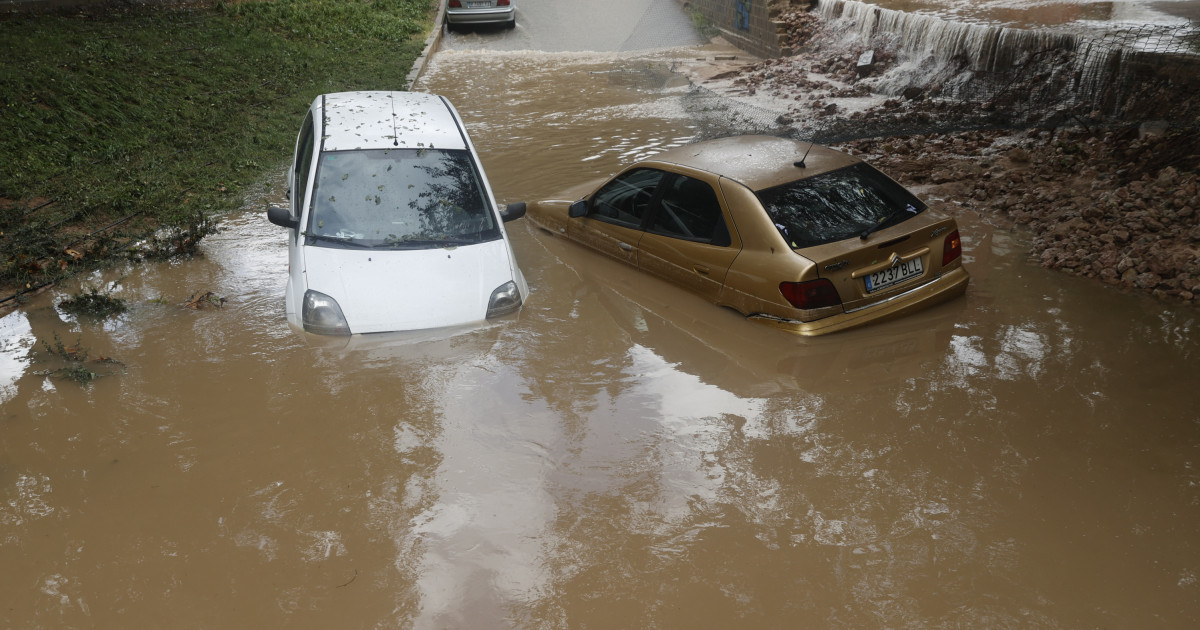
x,y
626,199
689,209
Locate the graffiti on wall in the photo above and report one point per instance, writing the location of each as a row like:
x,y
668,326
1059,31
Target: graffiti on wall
x,y
741,18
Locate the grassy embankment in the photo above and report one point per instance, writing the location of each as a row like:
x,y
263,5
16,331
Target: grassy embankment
x,y
126,133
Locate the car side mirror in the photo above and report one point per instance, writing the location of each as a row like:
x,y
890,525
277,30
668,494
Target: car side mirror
x,y
281,217
512,211
578,209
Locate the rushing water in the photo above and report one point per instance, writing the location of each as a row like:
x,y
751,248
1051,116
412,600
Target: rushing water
x,y
1076,14
621,455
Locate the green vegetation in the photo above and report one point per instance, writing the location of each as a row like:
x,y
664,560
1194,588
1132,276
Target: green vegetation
x,y
703,24
75,360
94,303
126,131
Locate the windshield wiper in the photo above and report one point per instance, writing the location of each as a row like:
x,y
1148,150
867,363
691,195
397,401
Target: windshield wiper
x,y
887,220
336,239
414,243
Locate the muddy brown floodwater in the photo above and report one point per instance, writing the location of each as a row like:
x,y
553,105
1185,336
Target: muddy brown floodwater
x,y
621,455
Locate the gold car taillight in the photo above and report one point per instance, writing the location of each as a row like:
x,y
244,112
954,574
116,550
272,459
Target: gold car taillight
x,y
818,293
952,248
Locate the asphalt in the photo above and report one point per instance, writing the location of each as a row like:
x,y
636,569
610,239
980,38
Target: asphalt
x,y
585,26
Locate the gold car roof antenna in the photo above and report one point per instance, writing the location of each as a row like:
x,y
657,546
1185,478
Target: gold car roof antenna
x,y
801,162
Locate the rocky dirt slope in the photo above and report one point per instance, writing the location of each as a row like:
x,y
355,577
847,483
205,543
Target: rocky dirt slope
x,y
1108,206
1106,197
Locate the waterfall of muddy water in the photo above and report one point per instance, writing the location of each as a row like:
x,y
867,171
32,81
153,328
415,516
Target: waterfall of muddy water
x,y
622,454
1086,15
1095,65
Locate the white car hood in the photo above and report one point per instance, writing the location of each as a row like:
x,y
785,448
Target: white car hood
x,y
394,290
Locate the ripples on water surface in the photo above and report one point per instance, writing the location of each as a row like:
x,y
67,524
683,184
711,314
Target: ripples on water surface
x,y
621,454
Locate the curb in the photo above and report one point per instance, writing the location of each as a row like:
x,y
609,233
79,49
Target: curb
x,y
431,46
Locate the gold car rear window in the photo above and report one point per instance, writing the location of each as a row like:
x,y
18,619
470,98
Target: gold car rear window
x,y
837,205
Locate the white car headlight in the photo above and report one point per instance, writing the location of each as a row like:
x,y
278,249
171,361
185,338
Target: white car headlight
x,y
505,299
322,315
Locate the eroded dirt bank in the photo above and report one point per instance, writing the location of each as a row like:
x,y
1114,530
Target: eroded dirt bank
x,y
1111,196
1106,206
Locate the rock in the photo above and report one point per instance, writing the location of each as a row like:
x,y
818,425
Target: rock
x,y
866,62
1153,129
1147,280
1018,155
1168,177
913,93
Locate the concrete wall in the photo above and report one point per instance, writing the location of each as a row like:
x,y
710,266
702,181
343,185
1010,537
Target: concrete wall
x,y
748,24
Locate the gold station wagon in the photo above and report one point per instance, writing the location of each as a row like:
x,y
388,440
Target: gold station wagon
x,y
795,235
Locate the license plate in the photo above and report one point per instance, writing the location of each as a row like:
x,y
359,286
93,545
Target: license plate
x,y
478,5
894,275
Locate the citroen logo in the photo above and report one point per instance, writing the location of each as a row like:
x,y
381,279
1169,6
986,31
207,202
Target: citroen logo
x,y
895,260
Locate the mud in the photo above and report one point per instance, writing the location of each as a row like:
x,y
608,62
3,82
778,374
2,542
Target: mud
x,y
621,454
1107,197
1115,207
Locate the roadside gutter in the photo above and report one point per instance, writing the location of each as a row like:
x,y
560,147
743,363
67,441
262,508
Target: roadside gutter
x,y
431,46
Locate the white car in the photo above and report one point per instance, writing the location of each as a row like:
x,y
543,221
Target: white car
x,y
392,223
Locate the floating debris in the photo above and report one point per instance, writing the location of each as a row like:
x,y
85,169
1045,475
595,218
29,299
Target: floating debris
x,y
95,303
200,301
76,359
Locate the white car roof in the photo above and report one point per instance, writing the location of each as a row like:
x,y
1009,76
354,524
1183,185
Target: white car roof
x,y
386,120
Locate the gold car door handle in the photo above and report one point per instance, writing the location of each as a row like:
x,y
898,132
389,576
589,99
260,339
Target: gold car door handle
x,y
625,246
701,269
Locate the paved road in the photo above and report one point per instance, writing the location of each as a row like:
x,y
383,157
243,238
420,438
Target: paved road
x,y
579,25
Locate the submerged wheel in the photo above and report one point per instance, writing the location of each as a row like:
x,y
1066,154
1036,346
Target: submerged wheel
x,y
511,23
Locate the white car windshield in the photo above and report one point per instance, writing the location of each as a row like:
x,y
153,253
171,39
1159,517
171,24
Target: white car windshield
x,y
399,199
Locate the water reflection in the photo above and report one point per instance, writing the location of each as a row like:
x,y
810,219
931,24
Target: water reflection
x,y
16,340
622,454
711,472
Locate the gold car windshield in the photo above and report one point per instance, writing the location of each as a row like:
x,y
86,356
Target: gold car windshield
x,y
399,199
837,205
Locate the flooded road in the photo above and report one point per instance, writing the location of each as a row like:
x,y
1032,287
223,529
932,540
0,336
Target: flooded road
x,y
622,454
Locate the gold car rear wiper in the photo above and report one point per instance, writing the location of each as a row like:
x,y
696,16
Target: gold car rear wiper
x,y
887,220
